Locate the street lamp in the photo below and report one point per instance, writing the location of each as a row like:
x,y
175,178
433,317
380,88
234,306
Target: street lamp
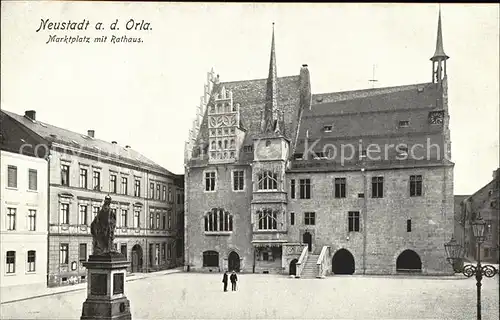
x,y
454,253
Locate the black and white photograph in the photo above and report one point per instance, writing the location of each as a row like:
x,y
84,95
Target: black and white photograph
x,y
259,160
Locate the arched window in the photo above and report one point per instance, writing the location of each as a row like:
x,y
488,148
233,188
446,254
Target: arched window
x,y
210,259
213,145
268,181
218,219
220,144
228,107
268,220
232,143
225,144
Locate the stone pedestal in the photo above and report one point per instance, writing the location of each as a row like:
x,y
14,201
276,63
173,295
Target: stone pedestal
x,y
106,298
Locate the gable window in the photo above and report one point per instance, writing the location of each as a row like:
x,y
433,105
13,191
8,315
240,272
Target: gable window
x,y
65,175
238,180
10,261
64,214
305,189
404,123
32,220
96,180
83,215
415,186
408,225
309,218
218,219
292,218
83,178
377,187
268,220
124,185
32,176
12,176
63,253
210,181
340,187
112,183
268,181
210,259
353,221
292,189
11,218
31,261
327,128
137,188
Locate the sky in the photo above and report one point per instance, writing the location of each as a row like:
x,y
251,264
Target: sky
x,y
145,94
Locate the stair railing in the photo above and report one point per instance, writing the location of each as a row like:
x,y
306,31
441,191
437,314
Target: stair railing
x,y
323,262
302,261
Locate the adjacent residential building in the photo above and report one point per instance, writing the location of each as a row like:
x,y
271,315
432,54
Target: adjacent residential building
x,y
23,198
484,202
82,171
268,189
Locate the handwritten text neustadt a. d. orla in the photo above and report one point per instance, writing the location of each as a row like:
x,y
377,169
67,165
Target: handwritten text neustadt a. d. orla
x,y
130,25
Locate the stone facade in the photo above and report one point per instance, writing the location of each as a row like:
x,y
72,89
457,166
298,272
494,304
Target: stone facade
x,y
277,186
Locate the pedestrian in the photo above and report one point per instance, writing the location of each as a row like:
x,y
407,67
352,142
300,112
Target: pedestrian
x,y
233,279
224,280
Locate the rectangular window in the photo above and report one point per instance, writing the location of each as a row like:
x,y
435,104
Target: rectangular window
x,y
353,221
83,178
158,220
265,256
158,192
124,218
137,219
32,220
63,253
340,187
96,180
82,252
164,220
327,128
408,225
123,249
65,175
95,211
416,186
11,218
163,251
209,181
404,123
151,190
151,254
164,194
31,267
305,189
151,219
377,187
112,183
137,188
310,218
170,197
32,177
10,261
361,195
169,250
169,220
238,180
12,177
64,218
178,249
124,185
292,189
83,215
157,254
292,218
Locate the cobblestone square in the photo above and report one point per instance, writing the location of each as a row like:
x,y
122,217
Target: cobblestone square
x,y
260,296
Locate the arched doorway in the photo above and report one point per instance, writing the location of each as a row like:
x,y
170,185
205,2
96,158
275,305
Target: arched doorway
x,y
343,262
233,262
293,267
408,261
307,238
136,258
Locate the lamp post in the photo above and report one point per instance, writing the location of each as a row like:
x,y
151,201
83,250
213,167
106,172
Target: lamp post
x,y
455,252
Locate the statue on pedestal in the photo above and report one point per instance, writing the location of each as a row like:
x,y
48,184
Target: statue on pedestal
x,y
103,229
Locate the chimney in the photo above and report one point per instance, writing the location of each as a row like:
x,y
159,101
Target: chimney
x,y
91,133
113,142
304,65
30,114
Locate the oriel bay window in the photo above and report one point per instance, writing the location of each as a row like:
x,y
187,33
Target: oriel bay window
x,y
268,220
218,220
268,180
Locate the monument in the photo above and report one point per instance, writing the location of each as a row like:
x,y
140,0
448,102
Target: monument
x,y
106,271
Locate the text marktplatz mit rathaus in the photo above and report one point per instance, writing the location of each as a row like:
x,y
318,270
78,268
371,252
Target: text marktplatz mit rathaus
x,y
84,39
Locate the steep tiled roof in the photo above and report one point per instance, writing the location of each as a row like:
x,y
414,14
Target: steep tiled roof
x,y
13,136
92,145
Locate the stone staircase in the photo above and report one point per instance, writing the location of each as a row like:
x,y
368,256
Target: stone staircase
x,y
310,270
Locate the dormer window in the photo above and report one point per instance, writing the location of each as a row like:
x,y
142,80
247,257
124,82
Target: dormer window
x,y
404,123
327,128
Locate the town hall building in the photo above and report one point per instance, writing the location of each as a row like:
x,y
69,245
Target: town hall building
x,y
282,180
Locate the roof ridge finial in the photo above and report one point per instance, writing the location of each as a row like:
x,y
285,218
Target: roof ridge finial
x,y
439,53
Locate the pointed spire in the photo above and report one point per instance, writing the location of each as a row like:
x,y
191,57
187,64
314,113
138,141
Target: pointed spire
x,y
272,88
439,53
